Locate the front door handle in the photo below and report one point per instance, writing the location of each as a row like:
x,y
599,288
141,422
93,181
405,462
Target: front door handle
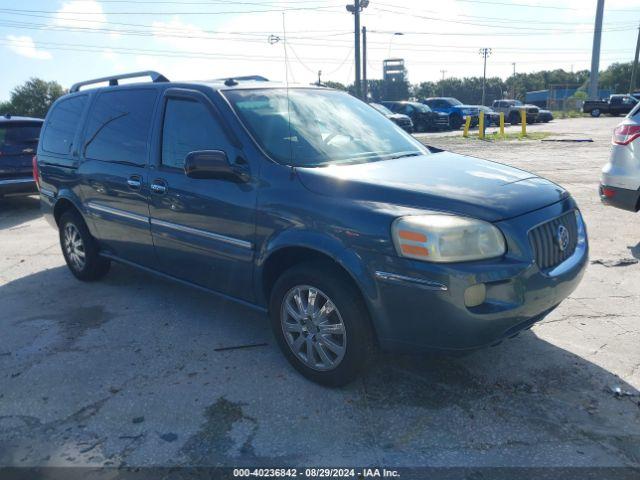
x,y
158,187
134,182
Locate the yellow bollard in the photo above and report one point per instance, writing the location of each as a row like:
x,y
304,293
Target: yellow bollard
x,y
523,117
502,124
467,125
481,126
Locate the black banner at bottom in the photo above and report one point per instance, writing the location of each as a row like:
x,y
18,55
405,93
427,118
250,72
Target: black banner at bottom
x,y
286,473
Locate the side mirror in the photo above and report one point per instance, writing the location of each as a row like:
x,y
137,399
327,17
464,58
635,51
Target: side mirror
x,y
214,164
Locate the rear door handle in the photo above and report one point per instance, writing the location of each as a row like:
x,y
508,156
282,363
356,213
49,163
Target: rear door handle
x,y
134,182
159,187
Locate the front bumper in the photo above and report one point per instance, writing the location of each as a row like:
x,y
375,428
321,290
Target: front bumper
x,y
620,197
18,186
423,307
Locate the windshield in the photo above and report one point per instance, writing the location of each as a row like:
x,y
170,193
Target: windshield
x,y
517,103
320,127
421,107
381,108
19,139
455,101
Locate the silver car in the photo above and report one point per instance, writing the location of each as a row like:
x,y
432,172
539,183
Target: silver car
x,y
620,182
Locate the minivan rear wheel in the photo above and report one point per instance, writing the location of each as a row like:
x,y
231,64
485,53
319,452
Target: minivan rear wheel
x,y
80,249
321,324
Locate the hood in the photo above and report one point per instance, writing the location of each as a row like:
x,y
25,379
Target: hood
x,y
440,181
399,116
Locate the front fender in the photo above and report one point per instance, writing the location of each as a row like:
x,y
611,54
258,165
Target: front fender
x,y
323,243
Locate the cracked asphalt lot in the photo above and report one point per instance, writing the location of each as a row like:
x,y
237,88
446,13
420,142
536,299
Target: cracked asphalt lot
x,y
125,371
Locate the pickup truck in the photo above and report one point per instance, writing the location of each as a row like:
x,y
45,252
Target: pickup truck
x,y
614,105
457,111
512,109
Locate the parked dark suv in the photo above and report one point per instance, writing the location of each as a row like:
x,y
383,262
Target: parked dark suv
x,y
424,119
309,205
18,144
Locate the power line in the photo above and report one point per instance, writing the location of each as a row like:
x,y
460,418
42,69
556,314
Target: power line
x,y
200,55
463,22
412,10
57,12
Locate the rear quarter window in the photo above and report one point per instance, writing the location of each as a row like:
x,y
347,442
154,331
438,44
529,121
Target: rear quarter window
x,y
119,125
62,124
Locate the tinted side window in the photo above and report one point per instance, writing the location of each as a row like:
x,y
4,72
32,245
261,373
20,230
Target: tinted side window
x,y
391,106
62,124
119,126
188,126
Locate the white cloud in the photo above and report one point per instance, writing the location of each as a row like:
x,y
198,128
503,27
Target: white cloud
x,y
85,14
24,46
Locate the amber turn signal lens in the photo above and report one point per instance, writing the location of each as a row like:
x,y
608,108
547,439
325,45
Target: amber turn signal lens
x,y
412,236
414,250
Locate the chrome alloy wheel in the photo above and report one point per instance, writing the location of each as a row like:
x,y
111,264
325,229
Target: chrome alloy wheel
x,y
313,328
74,246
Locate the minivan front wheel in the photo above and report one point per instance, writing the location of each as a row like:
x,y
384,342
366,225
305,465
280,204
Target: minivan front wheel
x,y
321,324
80,249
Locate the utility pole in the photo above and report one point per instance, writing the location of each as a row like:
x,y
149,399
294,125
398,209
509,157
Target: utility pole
x,y
356,9
319,77
365,86
514,80
595,54
634,68
442,89
485,52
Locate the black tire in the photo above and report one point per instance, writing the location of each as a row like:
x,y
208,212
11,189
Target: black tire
x,y
359,343
595,113
455,122
514,119
93,266
422,127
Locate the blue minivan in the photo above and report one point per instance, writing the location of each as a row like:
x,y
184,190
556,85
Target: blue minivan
x,y
306,204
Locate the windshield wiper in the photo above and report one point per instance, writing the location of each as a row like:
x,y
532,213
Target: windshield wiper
x,y
406,154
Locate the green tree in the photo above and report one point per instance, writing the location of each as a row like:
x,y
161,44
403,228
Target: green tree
x,y
616,78
5,107
33,98
335,85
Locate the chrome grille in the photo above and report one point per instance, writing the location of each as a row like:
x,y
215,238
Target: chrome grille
x,y
545,243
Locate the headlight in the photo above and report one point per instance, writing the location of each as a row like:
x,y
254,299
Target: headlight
x,y
446,238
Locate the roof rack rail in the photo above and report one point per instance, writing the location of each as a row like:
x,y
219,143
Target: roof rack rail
x,y
113,80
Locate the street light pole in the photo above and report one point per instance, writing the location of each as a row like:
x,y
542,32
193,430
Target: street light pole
x,y
442,89
356,9
514,80
485,52
365,86
634,69
595,54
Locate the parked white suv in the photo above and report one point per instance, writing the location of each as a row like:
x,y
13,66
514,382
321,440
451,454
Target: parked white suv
x,y
620,182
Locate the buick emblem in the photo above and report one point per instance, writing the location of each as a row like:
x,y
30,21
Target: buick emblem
x,y
562,235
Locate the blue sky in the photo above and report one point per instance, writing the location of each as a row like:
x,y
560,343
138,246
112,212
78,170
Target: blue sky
x,y
68,41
